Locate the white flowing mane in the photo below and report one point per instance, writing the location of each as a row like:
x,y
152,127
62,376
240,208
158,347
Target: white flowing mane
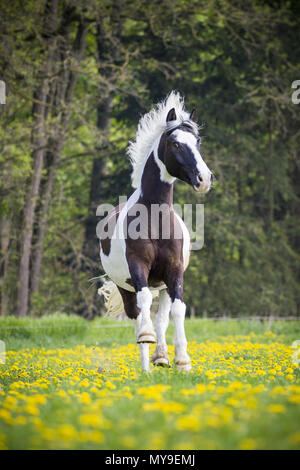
x,y
150,127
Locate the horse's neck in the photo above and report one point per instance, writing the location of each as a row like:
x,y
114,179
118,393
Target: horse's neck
x,y
153,189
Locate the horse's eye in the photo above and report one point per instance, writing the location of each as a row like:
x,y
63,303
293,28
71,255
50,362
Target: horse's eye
x,y
176,145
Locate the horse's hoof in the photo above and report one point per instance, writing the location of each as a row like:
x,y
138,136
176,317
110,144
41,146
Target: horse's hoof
x,y
161,362
183,367
146,338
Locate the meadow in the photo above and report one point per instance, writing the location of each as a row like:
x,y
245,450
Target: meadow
x,y
67,383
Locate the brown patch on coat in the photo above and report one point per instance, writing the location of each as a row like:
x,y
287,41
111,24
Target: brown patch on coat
x,y
129,301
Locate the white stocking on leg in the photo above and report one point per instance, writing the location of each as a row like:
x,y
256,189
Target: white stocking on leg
x,y
182,359
145,331
144,349
160,356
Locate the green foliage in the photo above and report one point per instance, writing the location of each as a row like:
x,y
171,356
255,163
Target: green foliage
x,y
235,62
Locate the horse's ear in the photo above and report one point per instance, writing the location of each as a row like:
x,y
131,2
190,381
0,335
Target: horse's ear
x,y
193,115
171,115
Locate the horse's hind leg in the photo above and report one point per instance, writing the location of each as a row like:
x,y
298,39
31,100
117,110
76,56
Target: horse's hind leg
x,y
160,356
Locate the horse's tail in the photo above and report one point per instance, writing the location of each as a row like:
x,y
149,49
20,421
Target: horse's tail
x,y
112,298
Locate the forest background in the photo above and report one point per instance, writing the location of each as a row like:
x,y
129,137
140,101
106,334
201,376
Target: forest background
x,y
78,77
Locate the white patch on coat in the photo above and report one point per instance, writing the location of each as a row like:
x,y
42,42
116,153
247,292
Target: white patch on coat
x,y
115,264
186,246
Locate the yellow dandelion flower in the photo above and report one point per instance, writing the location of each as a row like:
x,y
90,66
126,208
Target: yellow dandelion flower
x,y
233,401
295,438
212,421
110,385
188,423
289,376
32,410
128,441
93,436
248,444
3,445
95,420
66,432
84,383
20,420
295,399
6,416
188,391
85,398
276,408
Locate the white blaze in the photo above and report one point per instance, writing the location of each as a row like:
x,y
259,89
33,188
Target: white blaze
x,y
191,141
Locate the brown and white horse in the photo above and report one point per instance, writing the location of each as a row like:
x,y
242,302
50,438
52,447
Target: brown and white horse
x,y
167,147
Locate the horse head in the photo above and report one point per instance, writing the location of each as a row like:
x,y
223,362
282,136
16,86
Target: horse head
x,y
179,151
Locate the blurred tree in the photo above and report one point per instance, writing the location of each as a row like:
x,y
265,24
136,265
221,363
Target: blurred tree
x,y
78,78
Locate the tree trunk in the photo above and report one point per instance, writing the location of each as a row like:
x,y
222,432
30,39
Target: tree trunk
x,y
5,238
91,243
240,212
90,248
38,252
64,97
270,176
38,144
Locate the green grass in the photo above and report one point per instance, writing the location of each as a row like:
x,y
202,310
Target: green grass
x,y
243,391
61,330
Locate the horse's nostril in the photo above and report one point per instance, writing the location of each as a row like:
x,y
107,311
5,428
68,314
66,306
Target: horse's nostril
x,y
200,178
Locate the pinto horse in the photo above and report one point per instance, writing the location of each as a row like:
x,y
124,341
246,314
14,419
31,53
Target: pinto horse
x,y
167,147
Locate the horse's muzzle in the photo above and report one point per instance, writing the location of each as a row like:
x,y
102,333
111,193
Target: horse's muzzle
x,y
200,185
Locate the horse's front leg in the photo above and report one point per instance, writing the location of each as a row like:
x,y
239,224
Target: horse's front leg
x,y
160,356
182,360
145,332
145,363
144,329
178,308
135,306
